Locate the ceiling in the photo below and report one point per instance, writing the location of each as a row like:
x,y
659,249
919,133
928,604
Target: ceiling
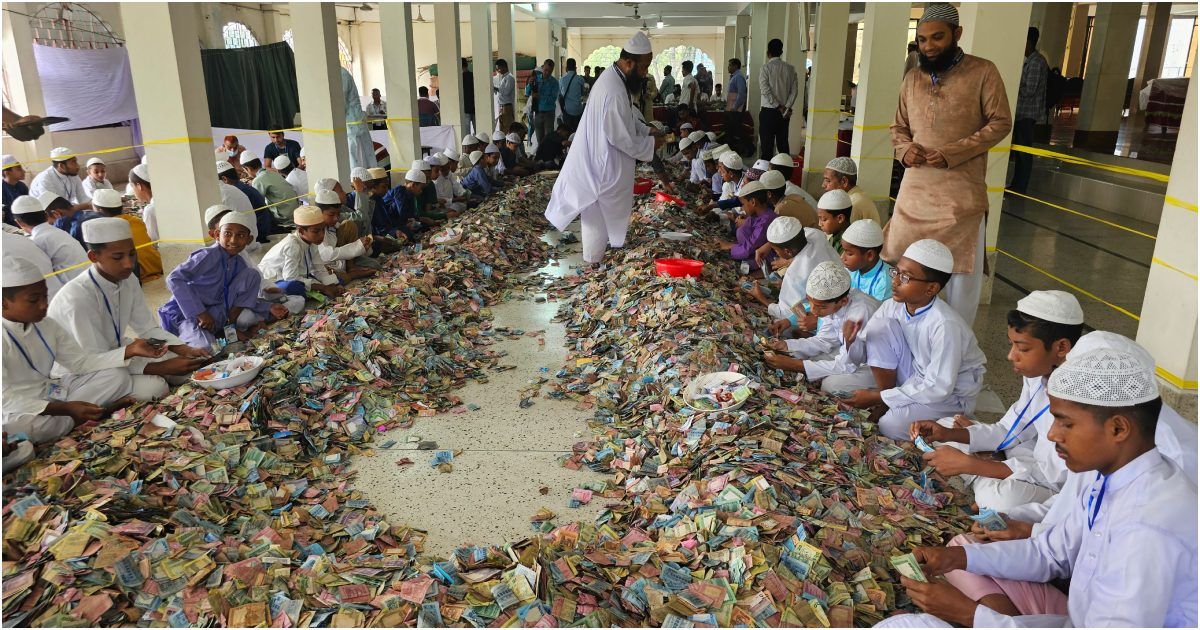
x,y
621,14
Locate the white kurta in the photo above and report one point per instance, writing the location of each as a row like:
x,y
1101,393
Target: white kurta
x,y
1030,455
68,187
597,175
90,186
358,133
62,250
847,359
150,218
335,256
698,174
1134,566
294,259
795,279
790,188
299,179
24,247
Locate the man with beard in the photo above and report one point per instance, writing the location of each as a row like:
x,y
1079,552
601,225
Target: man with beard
x,y
596,183
952,109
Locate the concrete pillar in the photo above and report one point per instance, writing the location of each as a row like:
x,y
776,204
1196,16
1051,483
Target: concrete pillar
x,y
400,81
989,30
1053,20
825,91
741,46
506,47
1105,77
1076,41
25,89
322,103
168,83
730,49
543,41
1168,325
885,32
848,72
794,43
449,61
1154,44
481,70
767,20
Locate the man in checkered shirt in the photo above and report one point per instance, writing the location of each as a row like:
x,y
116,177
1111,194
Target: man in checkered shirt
x,y
1031,107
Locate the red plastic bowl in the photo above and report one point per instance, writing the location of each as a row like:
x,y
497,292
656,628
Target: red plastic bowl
x,y
664,197
678,267
642,186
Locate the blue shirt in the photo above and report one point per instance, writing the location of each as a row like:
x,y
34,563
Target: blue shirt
x,y
717,181
291,148
547,89
875,282
477,181
572,90
257,200
11,192
737,85
394,213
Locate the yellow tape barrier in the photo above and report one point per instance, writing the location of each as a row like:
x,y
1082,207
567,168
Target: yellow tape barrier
x,y
1077,213
1073,159
1075,288
1179,203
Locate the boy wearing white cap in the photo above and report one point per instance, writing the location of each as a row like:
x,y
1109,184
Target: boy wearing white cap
x,y
21,246
926,360
13,185
66,255
477,180
449,189
1125,537
698,169
99,305
340,258
841,173
96,180
107,203
787,205
397,215
215,291
280,196
297,178
294,264
139,180
1041,331
800,250
62,179
242,197
833,215
38,406
751,231
826,356
786,166
861,244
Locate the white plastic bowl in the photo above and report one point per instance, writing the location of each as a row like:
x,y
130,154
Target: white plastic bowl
x,y
236,380
676,236
707,380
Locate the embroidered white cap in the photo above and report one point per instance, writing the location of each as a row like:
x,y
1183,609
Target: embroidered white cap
x,y
762,166
784,229
1059,307
94,161
843,165
685,143
932,254
864,233
326,197
27,205
828,280
1106,378
247,156
469,139
61,154
106,230
732,161
223,166
1104,340
415,176
360,173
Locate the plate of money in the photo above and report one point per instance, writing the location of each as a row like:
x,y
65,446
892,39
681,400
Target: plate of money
x,y
228,373
718,391
676,236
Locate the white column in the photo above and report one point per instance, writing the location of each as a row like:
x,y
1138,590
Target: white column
x,y
741,30
1154,44
449,61
989,30
543,42
729,51
825,91
481,70
885,30
26,88
322,102
1168,325
506,48
1053,20
168,82
767,22
1107,73
793,52
1076,40
400,81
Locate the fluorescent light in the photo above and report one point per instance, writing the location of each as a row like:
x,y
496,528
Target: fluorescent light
x,y
658,25
543,6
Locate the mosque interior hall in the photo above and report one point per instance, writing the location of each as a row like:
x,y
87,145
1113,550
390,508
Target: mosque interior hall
x,y
509,394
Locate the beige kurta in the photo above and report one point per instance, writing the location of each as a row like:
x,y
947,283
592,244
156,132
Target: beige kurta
x,y
863,207
962,116
796,206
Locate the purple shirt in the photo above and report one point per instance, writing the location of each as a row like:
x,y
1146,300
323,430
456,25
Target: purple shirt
x,y
751,236
209,280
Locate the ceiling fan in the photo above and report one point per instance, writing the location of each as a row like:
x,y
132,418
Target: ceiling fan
x,y
420,18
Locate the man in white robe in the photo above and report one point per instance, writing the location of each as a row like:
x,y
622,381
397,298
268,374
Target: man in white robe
x,y
596,182
62,179
358,134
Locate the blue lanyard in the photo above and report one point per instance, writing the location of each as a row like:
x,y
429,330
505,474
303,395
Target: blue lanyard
x,y
1010,436
1097,498
107,307
25,354
874,278
920,311
226,279
307,261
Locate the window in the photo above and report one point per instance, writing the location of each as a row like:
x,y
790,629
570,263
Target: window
x,y
1181,49
1137,51
344,57
238,35
674,57
70,25
603,57
287,37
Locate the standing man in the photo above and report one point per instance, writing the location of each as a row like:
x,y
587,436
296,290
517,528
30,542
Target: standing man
x,y
704,78
777,84
362,152
596,183
377,109
690,89
952,109
504,86
571,98
735,104
468,92
544,95
1031,107
667,87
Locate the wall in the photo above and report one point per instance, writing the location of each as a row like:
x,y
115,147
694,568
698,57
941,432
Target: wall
x,y
711,42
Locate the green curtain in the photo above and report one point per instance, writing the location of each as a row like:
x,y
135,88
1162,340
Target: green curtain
x,y
251,88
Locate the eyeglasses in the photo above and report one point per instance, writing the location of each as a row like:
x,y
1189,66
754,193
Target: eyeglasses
x,y
904,277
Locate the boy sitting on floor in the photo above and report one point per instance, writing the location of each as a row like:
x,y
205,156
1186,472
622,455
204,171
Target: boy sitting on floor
x,y
751,228
294,264
861,244
341,258
799,250
833,215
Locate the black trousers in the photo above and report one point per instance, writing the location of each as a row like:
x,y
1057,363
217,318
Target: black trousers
x,y
1022,134
772,133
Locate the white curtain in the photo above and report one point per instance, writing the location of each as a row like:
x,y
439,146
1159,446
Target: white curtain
x,y
91,87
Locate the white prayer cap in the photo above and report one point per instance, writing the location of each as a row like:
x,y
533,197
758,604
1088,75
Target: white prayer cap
x,y
483,138
706,155
843,165
305,216
928,252
106,198
145,159
377,173
1104,340
828,280
142,171
281,162
435,160
27,205
732,161
836,199
10,161
47,198
325,197
247,156
491,148
212,212
223,166
712,136
93,161
784,229
571,138
772,180
719,149
61,154
686,125
20,272
360,173
762,165
639,44
452,155
497,135
476,156
244,219
685,143
940,13
416,176
419,165
783,159
1059,307
864,233
469,139
106,230
750,188
325,183
696,136
1105,378
513,138
302,154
